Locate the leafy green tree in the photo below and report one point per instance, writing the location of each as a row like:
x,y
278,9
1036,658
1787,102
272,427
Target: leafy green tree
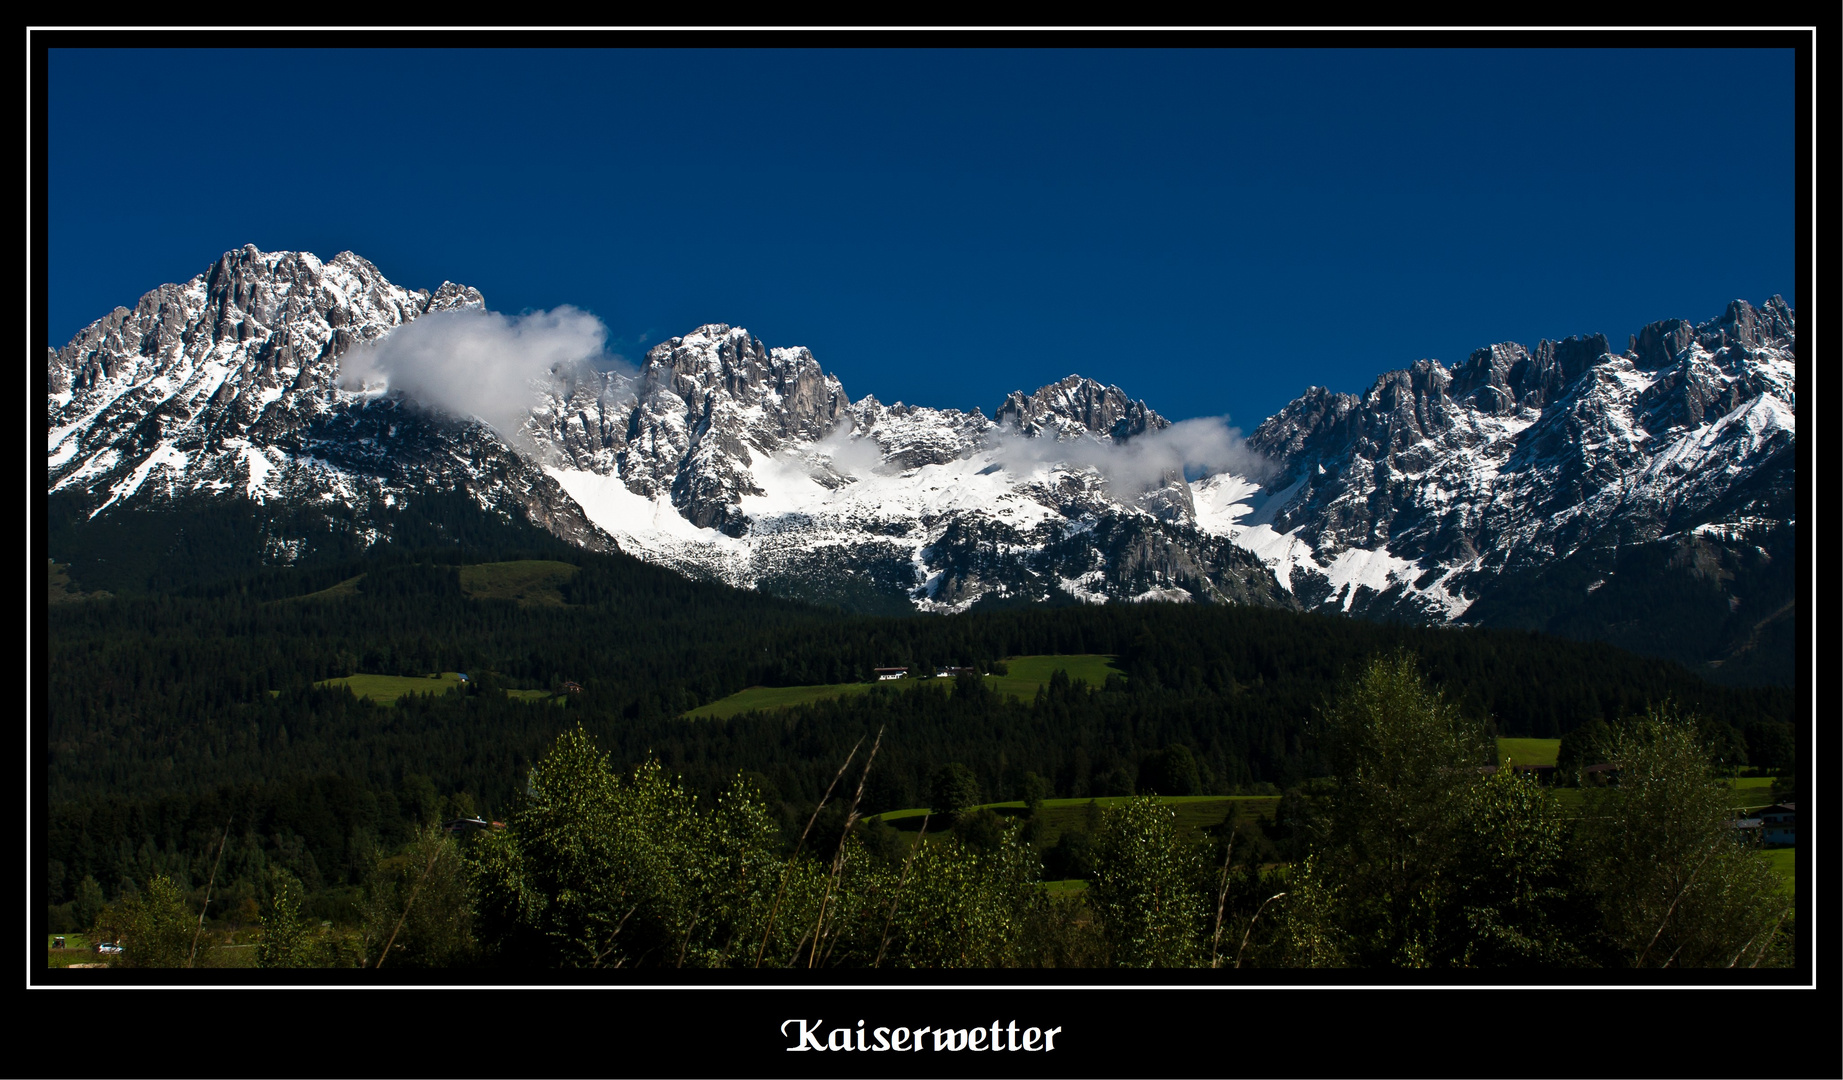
x,y
420,904
1148,891
1036,789
982,830
1510,881
1171,771
1583,747
1070,857
596,871
1658,853
418,798
553,885
90,901
285,941
960,907
154,926
954,790
1379,886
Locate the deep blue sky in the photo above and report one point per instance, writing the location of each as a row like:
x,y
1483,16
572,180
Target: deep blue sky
x,y
1213,231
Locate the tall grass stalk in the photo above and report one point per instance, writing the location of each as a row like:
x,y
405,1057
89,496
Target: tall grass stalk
x,y
407,904
202,908
781,893
1251,922
1222,897
838,859
900,882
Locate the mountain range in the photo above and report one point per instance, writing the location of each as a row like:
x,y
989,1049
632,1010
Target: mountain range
x,y
1644,496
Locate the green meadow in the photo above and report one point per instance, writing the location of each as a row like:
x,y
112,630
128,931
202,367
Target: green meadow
x,y
1193,811
385,689
778,697
1527,751
1785,860
531,582
1025,675
388,688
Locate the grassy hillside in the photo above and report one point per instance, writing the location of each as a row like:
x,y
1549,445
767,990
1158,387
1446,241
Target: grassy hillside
x,y
1193,811
1026,675
1527,751
385,689
528,581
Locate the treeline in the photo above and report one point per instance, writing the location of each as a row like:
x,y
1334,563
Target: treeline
x,y
157,706
1407,855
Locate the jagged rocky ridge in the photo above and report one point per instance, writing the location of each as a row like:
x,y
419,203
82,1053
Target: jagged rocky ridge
x,y
1513,488
227,385
728,459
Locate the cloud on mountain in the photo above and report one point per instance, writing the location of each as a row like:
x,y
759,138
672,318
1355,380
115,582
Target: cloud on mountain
x,y
1191,448
483,363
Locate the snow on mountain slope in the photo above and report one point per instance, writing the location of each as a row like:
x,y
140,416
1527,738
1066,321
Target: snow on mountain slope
x,y
749,466
230,384
724,458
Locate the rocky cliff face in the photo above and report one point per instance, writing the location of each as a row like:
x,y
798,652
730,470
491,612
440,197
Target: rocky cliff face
x,y
227,385
1440,489
1513,488
749,465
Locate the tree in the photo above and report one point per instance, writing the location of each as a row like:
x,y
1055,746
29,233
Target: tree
x,y
155,926
1171,771
954,790
89,901
596,871
1581,748
1658,854
1510,882
285,942
1035,790
1380,886
959,907
419,904
1148,889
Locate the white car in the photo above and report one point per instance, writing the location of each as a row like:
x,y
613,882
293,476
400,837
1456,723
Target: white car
x,y
107,947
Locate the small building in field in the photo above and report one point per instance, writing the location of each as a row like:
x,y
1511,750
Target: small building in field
x,y
570,686
1599,775
1779,824
951,672
885,674
1543,774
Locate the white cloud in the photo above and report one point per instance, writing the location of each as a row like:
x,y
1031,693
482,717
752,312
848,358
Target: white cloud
x,y
1188,448
850,456
482,363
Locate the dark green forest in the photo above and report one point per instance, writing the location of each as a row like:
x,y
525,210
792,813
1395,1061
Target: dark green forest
x,y
171,714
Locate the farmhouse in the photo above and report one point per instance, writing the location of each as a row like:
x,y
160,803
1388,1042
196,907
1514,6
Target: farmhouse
x,y
1600,775
1543,774
570,686
950,672
885,674
1779,823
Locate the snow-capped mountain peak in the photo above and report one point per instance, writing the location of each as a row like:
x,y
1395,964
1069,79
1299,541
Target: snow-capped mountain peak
x,y
727,458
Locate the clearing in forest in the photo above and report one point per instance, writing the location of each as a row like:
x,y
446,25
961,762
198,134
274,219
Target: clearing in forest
x,y
1025,675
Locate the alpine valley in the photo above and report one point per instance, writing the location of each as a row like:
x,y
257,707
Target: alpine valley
x,y
1644,497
